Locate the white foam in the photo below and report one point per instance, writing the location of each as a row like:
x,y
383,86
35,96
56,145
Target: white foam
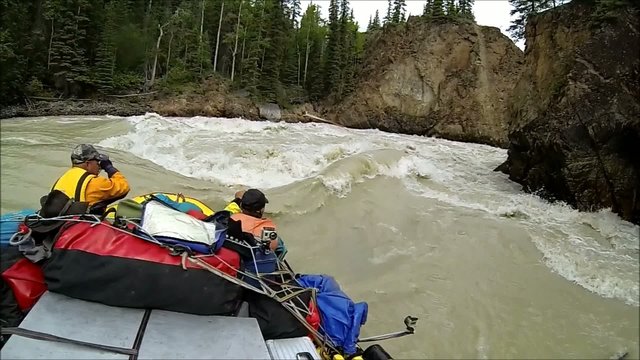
x,y
575,245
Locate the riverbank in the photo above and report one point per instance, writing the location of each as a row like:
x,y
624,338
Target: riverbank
x,y
210,104
76,107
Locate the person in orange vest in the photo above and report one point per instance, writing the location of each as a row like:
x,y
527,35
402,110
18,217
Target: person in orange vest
x,y
82,183
252,205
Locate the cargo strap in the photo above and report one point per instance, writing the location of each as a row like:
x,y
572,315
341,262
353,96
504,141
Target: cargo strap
x,y
44,336
37,335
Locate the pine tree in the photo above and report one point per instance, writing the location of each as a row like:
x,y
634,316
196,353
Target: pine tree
x,y
437,11
376,21
13,73
296,12
388,17
452,10
274,51
107,50
428,9
399,9
466,9
332,60
524,9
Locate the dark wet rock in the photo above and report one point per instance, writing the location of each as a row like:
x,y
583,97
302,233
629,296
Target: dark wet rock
x,y
574,124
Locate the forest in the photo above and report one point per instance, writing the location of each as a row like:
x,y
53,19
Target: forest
x,y
272,49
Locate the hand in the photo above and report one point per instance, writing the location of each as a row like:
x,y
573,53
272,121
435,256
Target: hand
x,y
108,167
105,163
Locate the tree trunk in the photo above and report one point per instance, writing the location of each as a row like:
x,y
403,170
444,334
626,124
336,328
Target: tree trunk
x,y
201,20
215,58
200,43
235,47
299,60
244,40
145,26
169,52
50,42
306,56
260,35
155,61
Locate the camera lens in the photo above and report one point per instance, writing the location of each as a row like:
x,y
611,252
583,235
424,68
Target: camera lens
x,y
273,236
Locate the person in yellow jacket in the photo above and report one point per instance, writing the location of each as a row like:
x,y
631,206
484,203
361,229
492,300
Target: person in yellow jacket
x,y
252,204
234,206
82,183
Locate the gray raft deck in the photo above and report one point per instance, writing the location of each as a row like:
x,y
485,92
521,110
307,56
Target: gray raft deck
x,y
168,335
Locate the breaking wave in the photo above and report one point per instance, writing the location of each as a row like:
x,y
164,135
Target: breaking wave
x,y
595,250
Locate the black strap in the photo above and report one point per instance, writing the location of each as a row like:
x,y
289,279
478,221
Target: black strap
x,y
78,194
143,327
44,336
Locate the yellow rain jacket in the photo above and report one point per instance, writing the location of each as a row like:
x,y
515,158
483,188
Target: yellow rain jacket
x,y
78,184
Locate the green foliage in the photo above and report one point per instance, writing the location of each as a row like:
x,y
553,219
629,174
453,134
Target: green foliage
x,y
399,11
525,8
80,48
127,80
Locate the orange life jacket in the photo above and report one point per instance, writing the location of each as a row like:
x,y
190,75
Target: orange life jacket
x,y
252,224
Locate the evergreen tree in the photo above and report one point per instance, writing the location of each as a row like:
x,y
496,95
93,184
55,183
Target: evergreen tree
x,y
428,9
333,52
376,21
437,10
451,9
274,51
465,9
399,9
523,9
107,51
388,17
296,12
81,48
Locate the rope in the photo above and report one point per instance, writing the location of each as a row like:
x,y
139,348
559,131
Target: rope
x,y
19,238
196,259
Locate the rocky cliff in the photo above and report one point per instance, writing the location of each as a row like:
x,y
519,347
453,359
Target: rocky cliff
x,y
450,80
575,113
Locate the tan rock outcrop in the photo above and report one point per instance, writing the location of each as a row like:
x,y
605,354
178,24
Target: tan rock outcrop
x,y
450,80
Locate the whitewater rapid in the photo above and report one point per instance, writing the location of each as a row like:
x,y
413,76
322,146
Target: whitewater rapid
x,y
412,225
596,250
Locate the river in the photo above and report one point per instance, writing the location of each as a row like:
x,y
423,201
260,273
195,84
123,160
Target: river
x,y
411,225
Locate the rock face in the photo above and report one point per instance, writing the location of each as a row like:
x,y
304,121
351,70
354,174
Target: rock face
x,y
447,80
575,114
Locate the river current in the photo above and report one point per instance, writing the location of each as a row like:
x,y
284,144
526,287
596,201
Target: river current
x,y
411,225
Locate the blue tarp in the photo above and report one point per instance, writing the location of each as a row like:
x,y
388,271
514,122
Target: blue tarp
x,y
9,224
180,206
340,317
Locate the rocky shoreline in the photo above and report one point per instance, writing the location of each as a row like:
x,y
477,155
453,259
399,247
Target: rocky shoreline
x,y
180,106
71,107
